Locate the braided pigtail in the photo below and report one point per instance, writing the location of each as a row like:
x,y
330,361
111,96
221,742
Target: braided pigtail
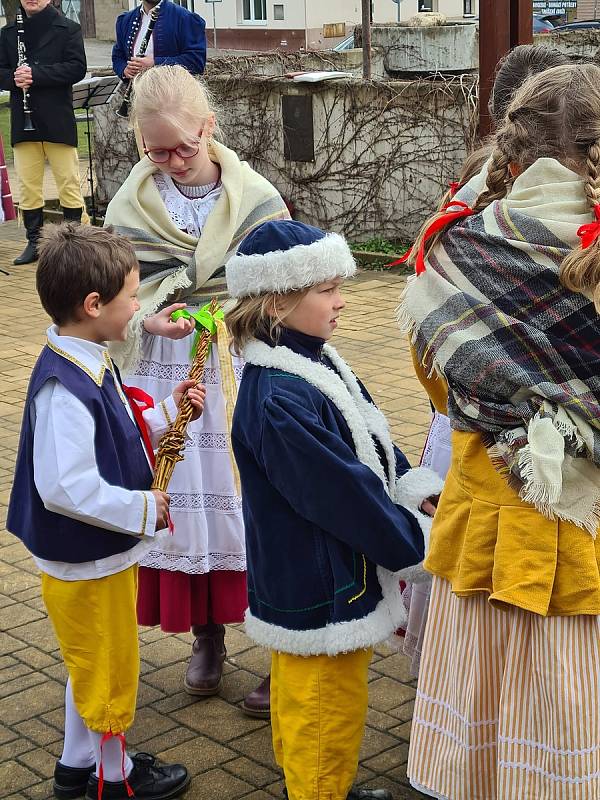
x,y
580,271
498,180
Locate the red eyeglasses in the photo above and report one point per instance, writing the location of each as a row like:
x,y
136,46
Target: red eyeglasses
x,y
160,155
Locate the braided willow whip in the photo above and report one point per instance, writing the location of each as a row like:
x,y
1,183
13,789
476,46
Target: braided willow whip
x,y
171,444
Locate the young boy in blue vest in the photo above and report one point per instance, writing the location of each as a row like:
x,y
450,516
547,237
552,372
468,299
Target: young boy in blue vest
x,y
332,510
82,504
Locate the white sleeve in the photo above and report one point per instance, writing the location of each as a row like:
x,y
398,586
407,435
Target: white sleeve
x,y
66,474
160,418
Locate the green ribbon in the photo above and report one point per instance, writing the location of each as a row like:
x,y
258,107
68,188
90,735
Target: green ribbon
x,y
203,320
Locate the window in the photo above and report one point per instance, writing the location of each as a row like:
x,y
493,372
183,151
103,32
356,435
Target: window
x,y
254,10
278,12
427,5
468,7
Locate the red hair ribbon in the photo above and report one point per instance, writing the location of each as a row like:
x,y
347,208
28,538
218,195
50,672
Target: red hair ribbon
x,y
590,232
437,225
139,402
454,187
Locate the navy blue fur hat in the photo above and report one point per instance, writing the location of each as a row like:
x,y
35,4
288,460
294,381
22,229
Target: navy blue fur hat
x,y
285,255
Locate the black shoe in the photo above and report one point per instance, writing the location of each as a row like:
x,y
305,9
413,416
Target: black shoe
x,y
147,780
70,782
33,220
72,214
363,794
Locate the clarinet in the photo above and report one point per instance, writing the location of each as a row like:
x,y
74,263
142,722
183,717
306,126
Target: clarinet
x,y
22,62
127,83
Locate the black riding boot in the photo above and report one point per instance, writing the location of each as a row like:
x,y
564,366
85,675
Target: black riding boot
x,y
32,220
72,214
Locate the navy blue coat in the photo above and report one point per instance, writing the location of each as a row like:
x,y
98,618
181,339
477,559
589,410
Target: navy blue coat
x,y
318,521
178,38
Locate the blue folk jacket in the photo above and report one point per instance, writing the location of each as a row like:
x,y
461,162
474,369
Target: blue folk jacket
x,y
178,36
325,539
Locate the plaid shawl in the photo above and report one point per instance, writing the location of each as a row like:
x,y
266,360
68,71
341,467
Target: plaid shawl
x,y
519,352
174,264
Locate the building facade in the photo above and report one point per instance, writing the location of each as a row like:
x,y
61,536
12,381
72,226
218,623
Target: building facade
x,y
287,24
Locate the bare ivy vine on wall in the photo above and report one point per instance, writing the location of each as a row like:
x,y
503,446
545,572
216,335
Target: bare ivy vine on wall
x,y
383,150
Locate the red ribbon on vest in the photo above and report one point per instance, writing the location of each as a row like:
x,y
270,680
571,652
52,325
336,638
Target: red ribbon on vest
x,y
591,231
105,738
139,402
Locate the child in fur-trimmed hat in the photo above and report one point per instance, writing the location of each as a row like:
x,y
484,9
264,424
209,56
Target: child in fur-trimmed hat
x,y
333,513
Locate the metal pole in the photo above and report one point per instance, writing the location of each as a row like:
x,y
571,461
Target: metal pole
x,y
214,26
399,13
366,39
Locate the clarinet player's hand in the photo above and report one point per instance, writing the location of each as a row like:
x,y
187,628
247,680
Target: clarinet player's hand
x,y
130,70
23,78
142,62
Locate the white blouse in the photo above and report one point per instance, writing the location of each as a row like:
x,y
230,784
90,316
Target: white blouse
x,y
188,206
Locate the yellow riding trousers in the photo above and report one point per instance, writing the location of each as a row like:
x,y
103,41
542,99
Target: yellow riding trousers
x,y
318,711
96,627
30,158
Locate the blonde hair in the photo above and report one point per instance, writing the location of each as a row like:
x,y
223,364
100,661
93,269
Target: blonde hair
x,y
555,114
172,93
261,316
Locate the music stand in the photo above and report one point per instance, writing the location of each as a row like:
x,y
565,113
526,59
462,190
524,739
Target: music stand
x,y
88,93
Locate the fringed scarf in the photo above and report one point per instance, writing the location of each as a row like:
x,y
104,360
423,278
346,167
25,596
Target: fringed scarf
x,y
519,352
171,260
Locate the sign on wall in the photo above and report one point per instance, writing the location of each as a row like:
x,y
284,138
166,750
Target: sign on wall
x,y
551,7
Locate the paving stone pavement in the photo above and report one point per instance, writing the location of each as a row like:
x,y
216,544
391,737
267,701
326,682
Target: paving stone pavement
x,y
228,754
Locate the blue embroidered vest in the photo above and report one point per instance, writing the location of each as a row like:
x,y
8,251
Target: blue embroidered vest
x,y
119,454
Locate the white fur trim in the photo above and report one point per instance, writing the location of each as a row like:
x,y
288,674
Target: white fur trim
x,y
375,420
285,270
417,485
339,637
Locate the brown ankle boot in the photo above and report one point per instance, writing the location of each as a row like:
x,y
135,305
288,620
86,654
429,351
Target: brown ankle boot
x,y
205,670
258,702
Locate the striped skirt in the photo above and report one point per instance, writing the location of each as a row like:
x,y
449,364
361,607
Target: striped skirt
x,y
508,704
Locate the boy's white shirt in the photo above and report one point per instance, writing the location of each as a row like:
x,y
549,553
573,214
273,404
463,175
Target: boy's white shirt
x,y
66,474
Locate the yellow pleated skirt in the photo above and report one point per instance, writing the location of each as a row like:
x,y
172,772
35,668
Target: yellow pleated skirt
x,y
96,628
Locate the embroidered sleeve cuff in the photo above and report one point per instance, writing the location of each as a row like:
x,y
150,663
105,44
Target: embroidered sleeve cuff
x,y
169,409
148,521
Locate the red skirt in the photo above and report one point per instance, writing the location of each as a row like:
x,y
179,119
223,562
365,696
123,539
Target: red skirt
x,y
176,600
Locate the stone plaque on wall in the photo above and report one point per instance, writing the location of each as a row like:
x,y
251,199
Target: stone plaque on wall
x,y
298,136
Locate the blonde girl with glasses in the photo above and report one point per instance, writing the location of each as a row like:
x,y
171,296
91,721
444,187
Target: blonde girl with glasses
x,y
185,207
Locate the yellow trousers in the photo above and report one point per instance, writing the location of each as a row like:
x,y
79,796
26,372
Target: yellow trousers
x,y
96,627
30,158
318,711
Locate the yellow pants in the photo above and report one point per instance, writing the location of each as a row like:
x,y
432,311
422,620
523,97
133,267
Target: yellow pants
x,y
318,710
30,158
96,627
